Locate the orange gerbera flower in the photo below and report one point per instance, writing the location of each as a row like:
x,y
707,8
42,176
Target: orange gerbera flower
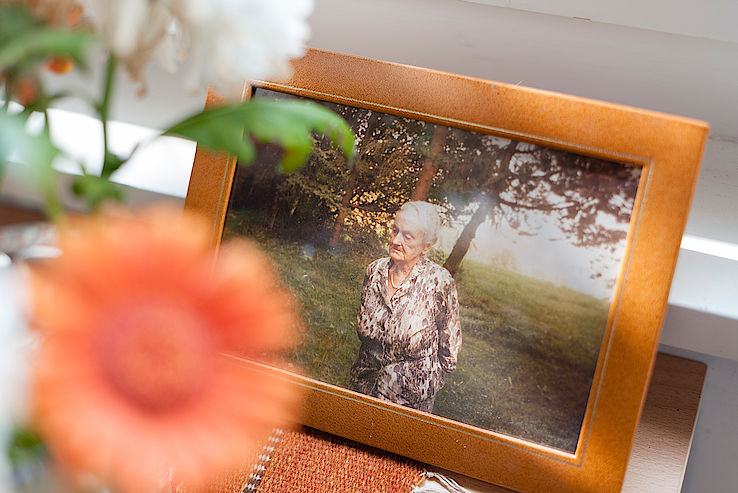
x,y
134,382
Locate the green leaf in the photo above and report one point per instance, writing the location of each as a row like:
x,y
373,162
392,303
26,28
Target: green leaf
x,y
111,163
24,41
35,152
95,190
14,20
288,123
25,444
20,146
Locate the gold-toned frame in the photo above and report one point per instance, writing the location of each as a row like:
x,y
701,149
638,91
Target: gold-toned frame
x,y
668,149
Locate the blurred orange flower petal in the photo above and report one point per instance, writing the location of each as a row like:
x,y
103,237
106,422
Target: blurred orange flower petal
x,y
57,13
60,64
26,90
134,384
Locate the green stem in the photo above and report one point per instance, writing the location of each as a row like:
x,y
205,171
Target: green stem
x,y
52,204
103,110
47,128
8,92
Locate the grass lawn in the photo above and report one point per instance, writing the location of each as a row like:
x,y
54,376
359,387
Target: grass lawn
x,y
529,347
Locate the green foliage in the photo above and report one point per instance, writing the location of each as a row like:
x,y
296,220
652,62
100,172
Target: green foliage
x,y
18,145
25,42
288,123
25,446
390,152
34,151
95,190
112,162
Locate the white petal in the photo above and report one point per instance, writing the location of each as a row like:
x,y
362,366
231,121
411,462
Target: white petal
x,y
225,42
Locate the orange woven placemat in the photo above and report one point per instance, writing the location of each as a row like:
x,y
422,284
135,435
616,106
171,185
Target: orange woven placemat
x,y
310,461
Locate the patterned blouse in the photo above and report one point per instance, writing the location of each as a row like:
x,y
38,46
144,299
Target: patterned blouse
x,y
410,340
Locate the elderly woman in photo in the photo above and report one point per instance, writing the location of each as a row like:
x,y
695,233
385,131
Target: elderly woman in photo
x,y
409,320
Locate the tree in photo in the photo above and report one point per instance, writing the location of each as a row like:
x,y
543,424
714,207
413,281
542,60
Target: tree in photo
x,y
507,180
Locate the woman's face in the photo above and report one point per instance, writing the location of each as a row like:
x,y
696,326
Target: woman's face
x,y
407,241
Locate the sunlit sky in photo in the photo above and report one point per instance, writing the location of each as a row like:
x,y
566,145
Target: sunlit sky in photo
x,y
547,255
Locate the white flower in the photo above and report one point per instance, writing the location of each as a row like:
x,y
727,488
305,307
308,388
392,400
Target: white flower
x,y
222,42
131,29
15,347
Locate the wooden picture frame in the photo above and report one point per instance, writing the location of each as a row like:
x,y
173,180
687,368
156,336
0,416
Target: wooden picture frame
x,y
667,151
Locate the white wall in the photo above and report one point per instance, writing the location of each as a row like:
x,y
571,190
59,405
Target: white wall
x,y
689,76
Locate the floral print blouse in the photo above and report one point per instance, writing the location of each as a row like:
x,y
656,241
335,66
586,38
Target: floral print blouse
x,y
409,341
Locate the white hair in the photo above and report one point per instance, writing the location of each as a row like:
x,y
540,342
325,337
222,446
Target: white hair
x,y
423,215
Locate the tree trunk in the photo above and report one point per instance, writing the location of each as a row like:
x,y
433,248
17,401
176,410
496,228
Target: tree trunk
x,y
345,205
458,252
486,204
275,208
341,218
430,166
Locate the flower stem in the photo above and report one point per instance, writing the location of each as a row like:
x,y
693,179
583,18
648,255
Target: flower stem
x,y
7,92
52,204
47,128
103,110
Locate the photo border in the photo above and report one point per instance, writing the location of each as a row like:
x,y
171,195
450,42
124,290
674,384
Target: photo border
x,y
667,148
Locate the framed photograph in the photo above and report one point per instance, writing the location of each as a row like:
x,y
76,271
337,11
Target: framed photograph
x,y
483,287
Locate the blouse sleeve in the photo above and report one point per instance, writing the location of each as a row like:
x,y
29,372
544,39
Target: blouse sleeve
x,y
365,285
363,371
449,327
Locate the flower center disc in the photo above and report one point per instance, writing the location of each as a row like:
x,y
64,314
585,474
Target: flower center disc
x,y
157,355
